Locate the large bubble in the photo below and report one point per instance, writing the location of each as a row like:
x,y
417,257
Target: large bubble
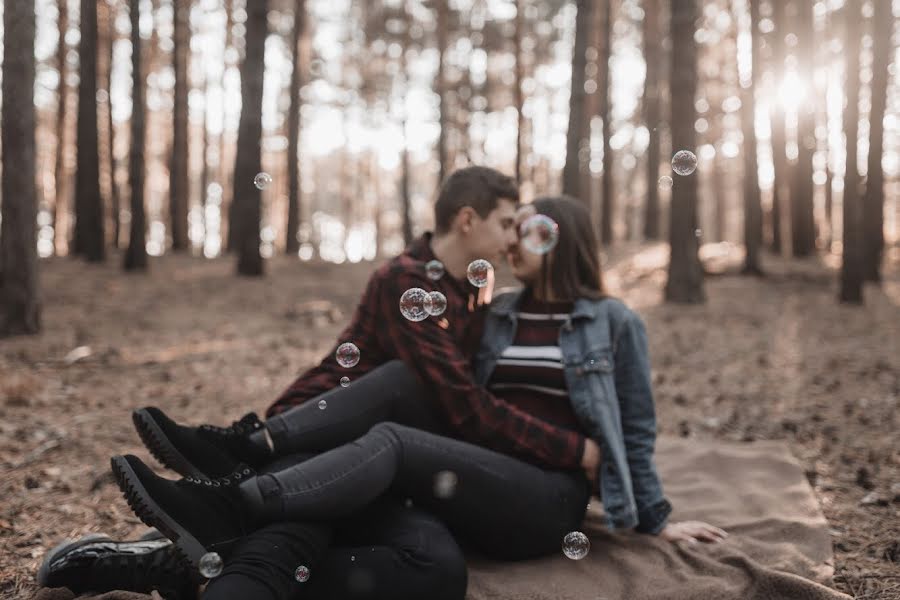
x,y
415,304
576,545
479,272
434,269
438,304
684,162
262,180
211,565
347,355
539,234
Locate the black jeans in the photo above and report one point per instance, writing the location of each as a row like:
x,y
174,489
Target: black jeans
x,y
504,507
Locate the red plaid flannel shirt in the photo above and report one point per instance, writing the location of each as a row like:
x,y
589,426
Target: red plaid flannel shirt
x,y
439,349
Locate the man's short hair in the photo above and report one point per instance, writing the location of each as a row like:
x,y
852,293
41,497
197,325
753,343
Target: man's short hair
x,y
478,187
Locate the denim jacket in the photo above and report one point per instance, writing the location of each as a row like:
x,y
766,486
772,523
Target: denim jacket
x,y
607,372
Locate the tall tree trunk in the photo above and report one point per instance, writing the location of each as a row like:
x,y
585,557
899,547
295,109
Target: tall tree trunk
x,y
779,156
204,166
578,126
851,265
873,201
248,162
179,190
651,104
136,255
405,200
292,244
605,112
20,302
441,85
227,206
60,222
685,276
114,196
752,202
517,91
89,237
803,236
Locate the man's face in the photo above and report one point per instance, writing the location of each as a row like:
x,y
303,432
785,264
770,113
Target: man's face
x,y
492,238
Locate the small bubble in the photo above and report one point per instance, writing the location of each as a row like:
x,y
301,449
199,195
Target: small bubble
x,y
347,355
345,381
438,304
576,545
352,558
211,565
415,304
697,233
323,404
445,484
539,234
478,272
408,503
665,182
434,269
301,574
684,162
262,180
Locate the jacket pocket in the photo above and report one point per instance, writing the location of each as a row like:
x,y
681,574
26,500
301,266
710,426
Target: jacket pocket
x,y
596,361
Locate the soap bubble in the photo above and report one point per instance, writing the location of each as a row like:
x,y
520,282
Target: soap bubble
x,y
323,404
684,162
445,484
211,565
665,182
347,355
539,234
415,304
301,574
434,269
697,233
345,381
438,304
262,180
576,545
478,272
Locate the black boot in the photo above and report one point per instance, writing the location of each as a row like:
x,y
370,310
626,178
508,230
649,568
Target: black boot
x,y
206,451
97,563
198,515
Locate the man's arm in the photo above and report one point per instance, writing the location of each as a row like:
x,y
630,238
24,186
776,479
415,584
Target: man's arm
x,y
476,414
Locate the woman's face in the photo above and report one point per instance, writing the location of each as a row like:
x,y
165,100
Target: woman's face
x,y
525,265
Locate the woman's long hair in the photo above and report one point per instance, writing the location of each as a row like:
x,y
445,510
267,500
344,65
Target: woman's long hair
x,y
572,268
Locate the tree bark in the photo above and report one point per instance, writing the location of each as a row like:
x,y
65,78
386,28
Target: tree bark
x,y
248,161
517,91
685,276
292,244
89,237
851,265
803,238
752,201
578,129
873,201
651,104
605,112
441,85
136,255
20,302
779,155
60,221
179,182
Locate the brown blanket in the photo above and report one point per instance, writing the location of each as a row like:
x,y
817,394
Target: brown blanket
x,y
778,548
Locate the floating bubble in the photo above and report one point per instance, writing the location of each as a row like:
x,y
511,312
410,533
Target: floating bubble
x,y
211,565
347,355
301,574
478,272
539,234
697,233
665,182
576,545
445,484
262,180
345,381
415,304
684,162
323,404
437,305
352,558
434,269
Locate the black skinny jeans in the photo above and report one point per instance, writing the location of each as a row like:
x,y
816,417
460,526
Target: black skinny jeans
x,y
503,507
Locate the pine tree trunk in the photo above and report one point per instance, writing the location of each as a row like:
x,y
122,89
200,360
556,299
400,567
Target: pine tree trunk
x,y
60,222
248,162
89,237
517,91
605,112
651,104
578,130
873,201
441,87
204,165
226,209
292,244
752,202
136,254
179,181
851,265
685,276
803,240
779,156
114,196
20,303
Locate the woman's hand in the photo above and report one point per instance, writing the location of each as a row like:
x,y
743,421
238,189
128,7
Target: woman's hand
x,y
590,460
692,531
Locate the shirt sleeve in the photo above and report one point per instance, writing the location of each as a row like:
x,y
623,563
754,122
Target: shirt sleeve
x,y
474,413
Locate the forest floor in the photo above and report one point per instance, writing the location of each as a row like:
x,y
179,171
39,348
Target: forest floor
x,y
772,358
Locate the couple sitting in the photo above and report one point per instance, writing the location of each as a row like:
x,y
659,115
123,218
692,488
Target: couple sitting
x,y
488,426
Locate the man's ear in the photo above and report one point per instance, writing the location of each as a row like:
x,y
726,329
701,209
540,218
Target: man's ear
x,y
465,219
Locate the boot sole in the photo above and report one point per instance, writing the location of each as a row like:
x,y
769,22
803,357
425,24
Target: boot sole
x,y
148,511
44,570
161,447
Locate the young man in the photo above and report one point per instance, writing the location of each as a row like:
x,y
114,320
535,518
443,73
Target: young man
x,y
475,219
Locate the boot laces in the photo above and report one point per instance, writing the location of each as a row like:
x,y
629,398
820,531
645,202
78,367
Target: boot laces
x,y
248,424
